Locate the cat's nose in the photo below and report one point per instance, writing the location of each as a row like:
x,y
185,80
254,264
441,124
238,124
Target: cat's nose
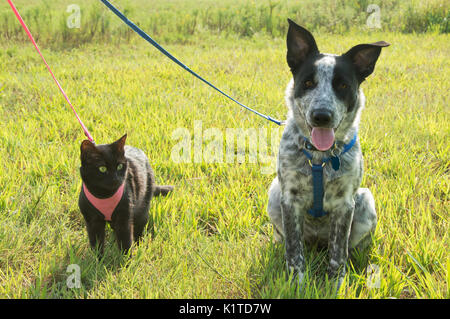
x,y
117,180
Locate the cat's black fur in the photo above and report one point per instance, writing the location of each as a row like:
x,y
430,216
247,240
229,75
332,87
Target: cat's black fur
x,y
131,214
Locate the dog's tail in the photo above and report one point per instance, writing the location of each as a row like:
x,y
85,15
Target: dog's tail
x,y
162,190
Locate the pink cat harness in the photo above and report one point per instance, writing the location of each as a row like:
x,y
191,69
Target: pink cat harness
x,y
106,206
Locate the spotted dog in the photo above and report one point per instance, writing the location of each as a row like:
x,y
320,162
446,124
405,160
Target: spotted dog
x,y
320,164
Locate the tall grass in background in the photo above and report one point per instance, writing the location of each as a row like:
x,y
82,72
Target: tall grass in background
x,y
178,20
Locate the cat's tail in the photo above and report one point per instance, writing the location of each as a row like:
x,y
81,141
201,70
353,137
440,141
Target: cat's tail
x,y
162,190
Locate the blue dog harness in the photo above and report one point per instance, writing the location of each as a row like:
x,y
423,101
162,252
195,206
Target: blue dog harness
x,y
317,174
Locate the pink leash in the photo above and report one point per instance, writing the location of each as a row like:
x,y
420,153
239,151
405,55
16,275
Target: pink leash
x,y
86,132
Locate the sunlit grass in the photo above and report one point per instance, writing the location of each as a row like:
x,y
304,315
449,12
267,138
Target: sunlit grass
x,y
212,237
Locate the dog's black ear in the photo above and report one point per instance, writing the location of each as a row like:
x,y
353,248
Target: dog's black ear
x,y
364,57
300,44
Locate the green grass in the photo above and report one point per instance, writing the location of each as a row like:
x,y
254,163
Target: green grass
x,y
212,237
184,21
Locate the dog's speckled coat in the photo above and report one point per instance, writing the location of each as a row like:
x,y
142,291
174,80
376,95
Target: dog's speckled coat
x,y
351,217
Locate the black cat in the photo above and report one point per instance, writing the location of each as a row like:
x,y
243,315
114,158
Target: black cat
x,y
118,184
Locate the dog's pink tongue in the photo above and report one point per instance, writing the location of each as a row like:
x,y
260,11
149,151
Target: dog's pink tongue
x,y
322,138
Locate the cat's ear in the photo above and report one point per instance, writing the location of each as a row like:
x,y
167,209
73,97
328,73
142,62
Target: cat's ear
x,y
120,144
87,148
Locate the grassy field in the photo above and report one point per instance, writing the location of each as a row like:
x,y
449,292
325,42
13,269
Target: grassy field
x,y
212,237
185,21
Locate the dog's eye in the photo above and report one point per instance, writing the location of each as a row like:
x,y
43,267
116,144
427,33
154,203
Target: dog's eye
x,y
309,84
342,86
102,169
119,167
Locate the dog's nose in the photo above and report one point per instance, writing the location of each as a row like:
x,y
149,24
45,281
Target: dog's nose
x,y
321,117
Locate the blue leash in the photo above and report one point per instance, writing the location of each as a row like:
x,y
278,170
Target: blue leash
x,y
317,174
170,56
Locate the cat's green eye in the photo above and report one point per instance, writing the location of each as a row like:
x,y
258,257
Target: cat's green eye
x,y
102,169
119,167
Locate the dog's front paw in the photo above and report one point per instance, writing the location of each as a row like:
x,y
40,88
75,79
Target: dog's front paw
x,y
337,273
295,277
296,272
